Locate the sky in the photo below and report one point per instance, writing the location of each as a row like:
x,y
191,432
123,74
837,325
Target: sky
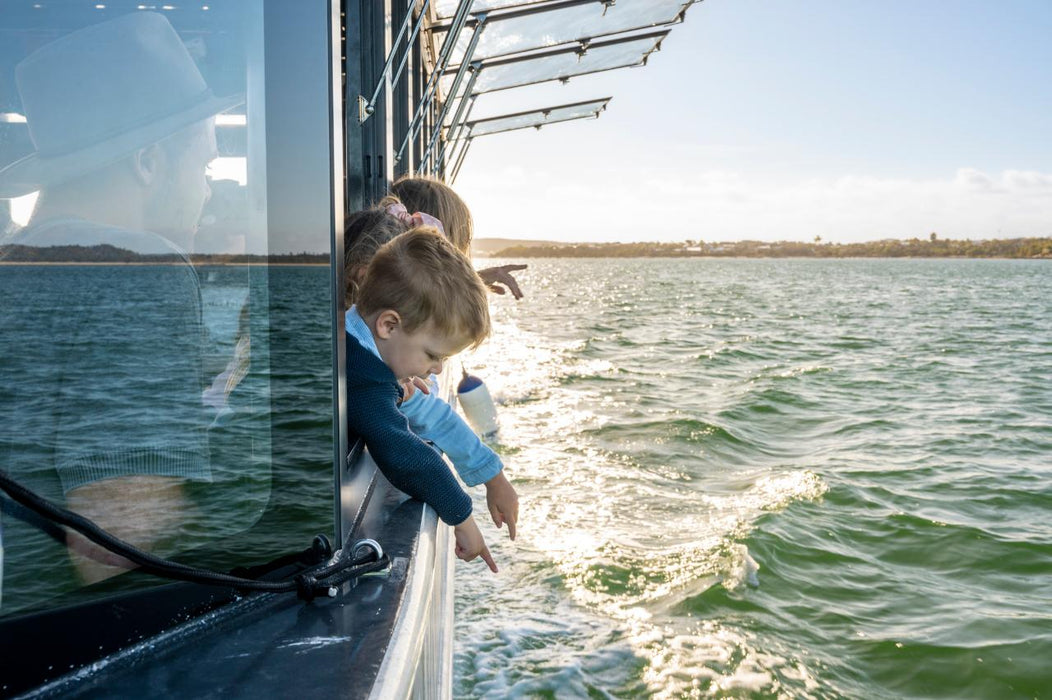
x,y
786,120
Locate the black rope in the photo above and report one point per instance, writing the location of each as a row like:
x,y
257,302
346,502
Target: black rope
x,y
322,581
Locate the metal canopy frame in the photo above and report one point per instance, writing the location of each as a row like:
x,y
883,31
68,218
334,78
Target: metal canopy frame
x,y
477,67
485,6
432,82
366,108
495,17
601,105
495,11
518,10
581,48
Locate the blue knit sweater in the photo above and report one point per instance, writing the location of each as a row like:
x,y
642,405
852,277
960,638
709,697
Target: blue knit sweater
x,y
409,463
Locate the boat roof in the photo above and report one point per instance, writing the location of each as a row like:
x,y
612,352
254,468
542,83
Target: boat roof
x,y
488,46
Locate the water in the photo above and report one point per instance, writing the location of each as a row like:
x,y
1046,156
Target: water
x,y
753,478
739,478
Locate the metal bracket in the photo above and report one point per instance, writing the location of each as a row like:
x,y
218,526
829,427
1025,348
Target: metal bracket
x,y
365,109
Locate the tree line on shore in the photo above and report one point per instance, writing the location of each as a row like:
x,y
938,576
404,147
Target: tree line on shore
x,y
111,254
931,247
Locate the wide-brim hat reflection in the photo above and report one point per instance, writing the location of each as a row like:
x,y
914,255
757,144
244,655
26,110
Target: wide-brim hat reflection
x,y
98,94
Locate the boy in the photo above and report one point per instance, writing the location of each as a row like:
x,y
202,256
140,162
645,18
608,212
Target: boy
x,y
421,302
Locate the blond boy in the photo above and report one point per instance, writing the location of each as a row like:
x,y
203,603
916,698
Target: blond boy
x,y
422,302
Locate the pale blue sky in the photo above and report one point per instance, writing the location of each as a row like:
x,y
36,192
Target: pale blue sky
x,y
774,120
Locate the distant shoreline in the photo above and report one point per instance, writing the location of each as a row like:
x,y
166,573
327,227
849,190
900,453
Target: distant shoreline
x,y
147,263
932,247
105,254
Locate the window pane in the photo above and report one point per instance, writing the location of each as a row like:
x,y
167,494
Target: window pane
x,y
144,344
539,117
448,8
526,32
558,64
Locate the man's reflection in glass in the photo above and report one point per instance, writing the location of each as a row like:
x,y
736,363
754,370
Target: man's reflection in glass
x,y
102,374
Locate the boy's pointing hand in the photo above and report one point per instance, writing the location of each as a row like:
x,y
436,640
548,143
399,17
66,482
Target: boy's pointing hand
x,y
471,544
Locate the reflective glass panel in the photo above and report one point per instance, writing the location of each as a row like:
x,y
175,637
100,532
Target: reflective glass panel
x,y
153,352
539,117
555,65
448,8
529,31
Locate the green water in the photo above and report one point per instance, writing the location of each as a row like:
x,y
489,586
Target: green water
x,y
753,478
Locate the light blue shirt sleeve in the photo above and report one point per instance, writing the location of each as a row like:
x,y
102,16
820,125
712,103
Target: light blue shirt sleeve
x,y
433,419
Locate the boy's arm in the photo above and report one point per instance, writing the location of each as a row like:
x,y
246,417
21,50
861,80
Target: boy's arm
x,y
406,460
435,420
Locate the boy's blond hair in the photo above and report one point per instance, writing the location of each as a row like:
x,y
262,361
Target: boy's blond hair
x,y
438,199
425,279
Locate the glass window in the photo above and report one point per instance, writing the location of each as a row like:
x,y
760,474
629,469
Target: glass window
x,y
558,64
526,31
536,118
162,375
448,8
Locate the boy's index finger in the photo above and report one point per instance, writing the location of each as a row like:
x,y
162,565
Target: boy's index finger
x,y
488,558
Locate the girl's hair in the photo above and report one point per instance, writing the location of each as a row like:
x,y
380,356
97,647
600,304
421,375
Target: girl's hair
x,y
425,279
364,233
438,199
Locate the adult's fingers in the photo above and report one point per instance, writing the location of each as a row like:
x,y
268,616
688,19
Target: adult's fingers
x,y
495,288
513,286
498,517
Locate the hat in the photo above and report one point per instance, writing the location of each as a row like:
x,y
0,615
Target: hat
x,y
99,93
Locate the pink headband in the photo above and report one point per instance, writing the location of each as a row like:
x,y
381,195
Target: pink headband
x,y
418,218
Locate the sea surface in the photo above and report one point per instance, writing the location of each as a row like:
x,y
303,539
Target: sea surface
x,y
739,478
768,479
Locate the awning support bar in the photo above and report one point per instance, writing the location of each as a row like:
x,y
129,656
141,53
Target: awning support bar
x,y
457,125
432,82
460,159
412,38
370,106
455,88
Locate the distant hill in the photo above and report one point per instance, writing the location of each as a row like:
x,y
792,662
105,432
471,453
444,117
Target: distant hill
x,y
486,247
499,247
108,254
932,247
